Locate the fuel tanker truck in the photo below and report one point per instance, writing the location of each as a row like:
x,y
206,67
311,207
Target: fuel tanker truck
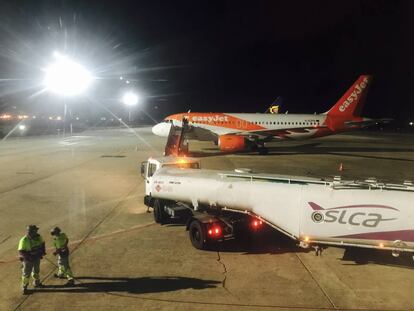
x,y
218,205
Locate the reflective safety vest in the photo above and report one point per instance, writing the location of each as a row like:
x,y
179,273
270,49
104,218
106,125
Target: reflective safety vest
x,y
33,246
60,241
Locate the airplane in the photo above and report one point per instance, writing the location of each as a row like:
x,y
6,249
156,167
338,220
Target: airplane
x,y
234,132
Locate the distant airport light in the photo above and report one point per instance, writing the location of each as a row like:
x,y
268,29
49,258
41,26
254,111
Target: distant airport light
x,y
130,99
22,127
50,118
127,81
5,116
66,77
411,123
58,118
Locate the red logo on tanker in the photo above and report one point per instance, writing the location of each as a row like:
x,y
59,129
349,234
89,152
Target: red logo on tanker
x,y
158,188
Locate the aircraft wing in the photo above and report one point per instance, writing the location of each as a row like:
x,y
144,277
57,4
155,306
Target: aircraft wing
x,y
199,133
278,133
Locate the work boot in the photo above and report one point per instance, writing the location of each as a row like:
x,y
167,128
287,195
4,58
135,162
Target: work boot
x,y
25,291
37,284
70,282
59,276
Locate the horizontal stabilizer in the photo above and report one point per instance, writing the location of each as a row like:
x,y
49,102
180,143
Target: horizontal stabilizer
x,y
369,122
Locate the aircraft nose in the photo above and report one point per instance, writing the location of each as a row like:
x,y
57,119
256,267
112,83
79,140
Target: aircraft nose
x,y
161,129
156,129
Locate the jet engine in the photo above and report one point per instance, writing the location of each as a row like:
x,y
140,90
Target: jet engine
x,y
231,143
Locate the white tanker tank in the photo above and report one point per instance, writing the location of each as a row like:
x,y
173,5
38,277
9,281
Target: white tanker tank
x,y
311,211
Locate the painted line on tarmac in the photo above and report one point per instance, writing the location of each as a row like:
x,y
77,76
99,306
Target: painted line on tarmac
x,y
116,232
317,283
5,239
46,176
244,305
91,239
67,143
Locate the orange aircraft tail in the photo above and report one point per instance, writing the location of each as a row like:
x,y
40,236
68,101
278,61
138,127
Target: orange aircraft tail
x,y
352,102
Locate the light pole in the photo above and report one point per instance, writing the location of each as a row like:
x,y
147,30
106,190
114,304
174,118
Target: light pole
x,y
130,99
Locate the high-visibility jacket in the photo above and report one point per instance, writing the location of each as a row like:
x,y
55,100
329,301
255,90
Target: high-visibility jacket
x,y
31,247
60,242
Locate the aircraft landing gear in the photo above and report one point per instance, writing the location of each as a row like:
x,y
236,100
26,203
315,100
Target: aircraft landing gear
x,y
260,148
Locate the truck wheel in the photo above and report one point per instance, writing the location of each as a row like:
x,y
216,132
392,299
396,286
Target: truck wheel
x,y
197,234
158,212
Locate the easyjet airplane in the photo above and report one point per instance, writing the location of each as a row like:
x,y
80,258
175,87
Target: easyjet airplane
x,y
241,131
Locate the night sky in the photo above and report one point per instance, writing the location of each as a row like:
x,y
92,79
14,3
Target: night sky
x,y
232,56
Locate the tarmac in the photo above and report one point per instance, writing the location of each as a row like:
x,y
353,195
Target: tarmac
x,y
90,186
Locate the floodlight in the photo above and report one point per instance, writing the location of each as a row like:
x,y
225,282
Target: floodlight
x,y
22,127
130,99
66,77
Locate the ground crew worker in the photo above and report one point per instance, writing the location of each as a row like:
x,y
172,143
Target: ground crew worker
x,y
31,250
60,241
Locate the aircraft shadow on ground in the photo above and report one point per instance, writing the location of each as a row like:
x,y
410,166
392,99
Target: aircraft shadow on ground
x,y
140,285
364,256
315,149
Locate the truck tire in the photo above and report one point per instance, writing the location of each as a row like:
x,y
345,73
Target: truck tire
x,y
158,212
197,234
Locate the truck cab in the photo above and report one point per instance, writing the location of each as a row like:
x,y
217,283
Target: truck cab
x,y
152,165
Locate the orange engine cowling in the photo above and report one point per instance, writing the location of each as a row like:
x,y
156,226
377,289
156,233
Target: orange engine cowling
x,y
231,143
